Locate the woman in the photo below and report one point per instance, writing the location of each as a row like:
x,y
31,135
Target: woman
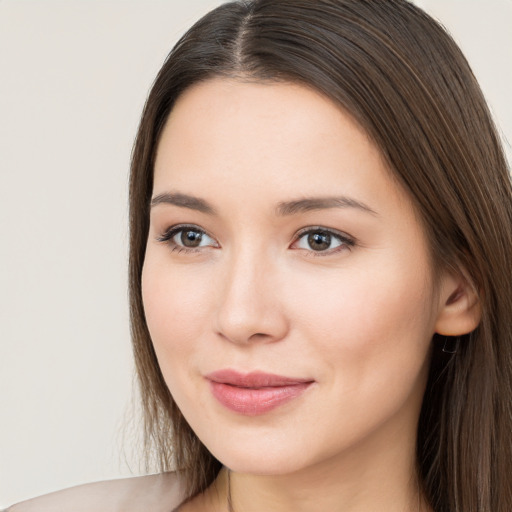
x,y
320,270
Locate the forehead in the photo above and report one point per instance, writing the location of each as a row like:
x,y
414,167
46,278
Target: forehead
x,y
273,139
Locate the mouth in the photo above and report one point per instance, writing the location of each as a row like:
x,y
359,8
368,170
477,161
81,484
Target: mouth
x,y
255,393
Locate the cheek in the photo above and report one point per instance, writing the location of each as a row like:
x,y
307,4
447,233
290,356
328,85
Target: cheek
x,y
370,327
176,309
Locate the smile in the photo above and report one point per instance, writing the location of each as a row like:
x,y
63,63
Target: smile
x,y
254,393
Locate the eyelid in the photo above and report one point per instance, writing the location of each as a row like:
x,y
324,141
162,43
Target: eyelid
x,y
347,240
169,233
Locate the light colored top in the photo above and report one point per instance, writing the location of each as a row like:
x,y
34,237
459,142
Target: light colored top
x,y
155,493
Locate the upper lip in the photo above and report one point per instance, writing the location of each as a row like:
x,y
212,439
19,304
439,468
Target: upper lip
x,y
256,379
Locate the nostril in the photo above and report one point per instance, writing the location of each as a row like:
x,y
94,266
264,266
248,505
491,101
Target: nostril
x,y
259,335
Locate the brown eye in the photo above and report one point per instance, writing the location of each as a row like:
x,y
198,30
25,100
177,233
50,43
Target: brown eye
x,y
187,237
319,241
322,241
190,238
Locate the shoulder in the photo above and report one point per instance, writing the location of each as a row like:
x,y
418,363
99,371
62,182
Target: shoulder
x,y
158,493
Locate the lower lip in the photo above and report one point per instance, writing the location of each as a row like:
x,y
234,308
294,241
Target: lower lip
x,y
255,401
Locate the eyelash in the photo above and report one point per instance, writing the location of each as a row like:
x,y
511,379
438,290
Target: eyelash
x,y
347,242
171,232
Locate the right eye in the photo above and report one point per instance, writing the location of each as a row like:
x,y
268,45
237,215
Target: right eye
x,y
187,238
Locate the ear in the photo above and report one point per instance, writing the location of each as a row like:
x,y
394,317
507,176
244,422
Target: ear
x,y
460,309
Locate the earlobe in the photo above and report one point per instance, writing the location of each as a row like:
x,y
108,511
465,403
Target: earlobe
x,y
460,311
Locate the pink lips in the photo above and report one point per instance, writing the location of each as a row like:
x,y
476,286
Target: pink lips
x,y
256,392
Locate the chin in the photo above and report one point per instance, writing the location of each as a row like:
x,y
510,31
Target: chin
x,y
259,453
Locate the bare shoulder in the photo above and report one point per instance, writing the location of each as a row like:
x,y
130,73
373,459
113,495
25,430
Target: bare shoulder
x,y
157,493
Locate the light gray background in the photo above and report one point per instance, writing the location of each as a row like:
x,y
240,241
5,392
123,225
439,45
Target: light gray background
x,y
74,75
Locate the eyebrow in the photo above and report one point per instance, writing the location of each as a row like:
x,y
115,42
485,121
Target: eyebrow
x,y
283,209
321,203
185,201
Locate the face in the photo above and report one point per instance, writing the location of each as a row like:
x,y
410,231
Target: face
x,y
287,284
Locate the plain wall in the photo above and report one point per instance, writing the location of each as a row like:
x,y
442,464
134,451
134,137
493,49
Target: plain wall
x,y
74,75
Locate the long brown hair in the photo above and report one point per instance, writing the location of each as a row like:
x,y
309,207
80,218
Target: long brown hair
x,y
401,76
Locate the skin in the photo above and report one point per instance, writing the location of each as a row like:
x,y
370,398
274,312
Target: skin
x,y
356,318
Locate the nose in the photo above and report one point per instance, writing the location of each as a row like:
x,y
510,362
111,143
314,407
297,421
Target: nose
x,y
249,309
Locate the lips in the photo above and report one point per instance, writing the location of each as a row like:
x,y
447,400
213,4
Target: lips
x,y
255,393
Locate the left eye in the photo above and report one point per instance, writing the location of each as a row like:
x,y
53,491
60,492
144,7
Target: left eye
x,y
322,240
187,237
